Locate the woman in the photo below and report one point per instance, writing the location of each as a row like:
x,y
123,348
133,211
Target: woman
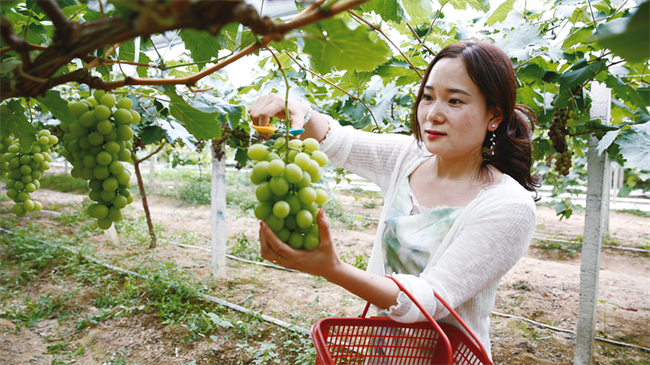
x,y
458,211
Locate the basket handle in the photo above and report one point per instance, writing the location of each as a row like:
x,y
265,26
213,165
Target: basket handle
x,y
462,323
443,336
433,321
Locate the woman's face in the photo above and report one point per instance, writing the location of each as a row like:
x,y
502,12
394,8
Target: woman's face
x,y
453,114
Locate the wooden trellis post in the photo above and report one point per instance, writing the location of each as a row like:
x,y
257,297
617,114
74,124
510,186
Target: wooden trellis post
x,y
218,216
592,238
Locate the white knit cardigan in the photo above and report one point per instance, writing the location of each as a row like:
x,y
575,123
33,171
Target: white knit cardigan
x,y
491,234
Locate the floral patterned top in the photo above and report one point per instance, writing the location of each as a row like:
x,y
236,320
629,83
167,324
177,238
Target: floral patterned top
x,y
413,233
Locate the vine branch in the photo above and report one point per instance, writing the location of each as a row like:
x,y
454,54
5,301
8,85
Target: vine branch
x,y
74,40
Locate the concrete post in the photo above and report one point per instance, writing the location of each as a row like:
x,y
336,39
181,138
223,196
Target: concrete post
x,y
592,238
218,218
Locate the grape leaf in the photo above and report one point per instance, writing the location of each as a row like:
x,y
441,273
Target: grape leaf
x,y
419,10
518,43
57,106
631,41
501,12
13,121
335,46
482,5
127,53
151,134
200,124
228,112
607,141
392,10
635,145
175,131
7,4
581,75
201,44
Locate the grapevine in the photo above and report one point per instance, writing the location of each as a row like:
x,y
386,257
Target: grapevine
x,y
287,200
557,133
96,145
24,165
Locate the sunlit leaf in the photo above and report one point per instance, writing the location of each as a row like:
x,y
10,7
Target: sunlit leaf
x,y
501,12
200,124
630,40
335,46
392,10
635,145
202,45
519,42
482,5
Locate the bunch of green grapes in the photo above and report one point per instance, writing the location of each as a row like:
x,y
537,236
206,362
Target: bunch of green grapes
x,y
25,165
95,145
287,200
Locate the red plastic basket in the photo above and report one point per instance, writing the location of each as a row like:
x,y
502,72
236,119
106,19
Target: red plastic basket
x,y
383,341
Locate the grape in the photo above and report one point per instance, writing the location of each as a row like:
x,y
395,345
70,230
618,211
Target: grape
x,y
257,152
107,100
105,127
284,234
311,241
320,157
102,112
122,116
295,240
302,160
263,192
94,145
311,145
293,173
281,209
275,223
304,219
124,103
77,109
321,196
136,117
283,172
279,185
276,167
307,195
263,210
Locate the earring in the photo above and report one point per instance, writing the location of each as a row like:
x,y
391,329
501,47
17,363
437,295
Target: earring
x,y
493,143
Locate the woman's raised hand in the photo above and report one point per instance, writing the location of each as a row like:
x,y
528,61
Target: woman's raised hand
x,y
272,105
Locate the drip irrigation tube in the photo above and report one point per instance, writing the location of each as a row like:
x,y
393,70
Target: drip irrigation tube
x,y
225,303
635,249
568,331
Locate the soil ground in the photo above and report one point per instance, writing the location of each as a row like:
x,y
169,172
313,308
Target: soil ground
x,y
542,287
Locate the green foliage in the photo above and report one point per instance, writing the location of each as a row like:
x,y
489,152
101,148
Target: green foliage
x,y
243,248
556,58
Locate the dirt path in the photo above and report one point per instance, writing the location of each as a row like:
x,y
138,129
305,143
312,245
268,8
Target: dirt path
x,y
543,286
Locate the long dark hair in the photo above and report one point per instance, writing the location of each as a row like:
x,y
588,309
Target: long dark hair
x,y
491,70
